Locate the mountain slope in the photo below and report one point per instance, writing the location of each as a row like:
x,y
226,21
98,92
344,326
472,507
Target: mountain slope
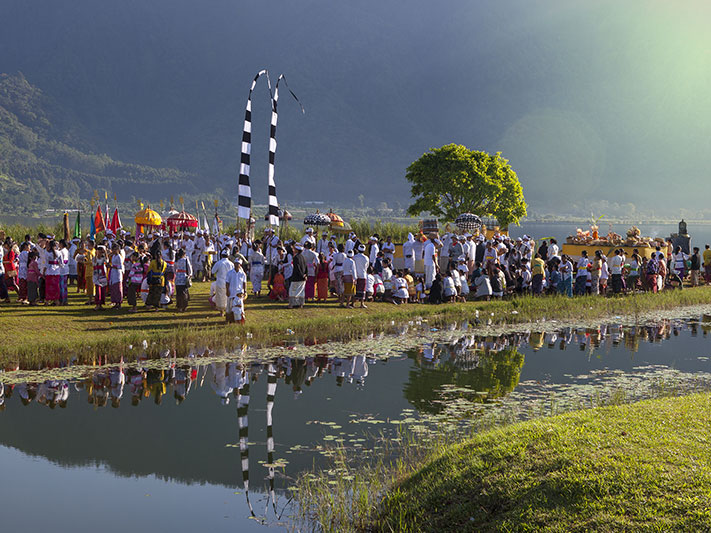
x,y
40,168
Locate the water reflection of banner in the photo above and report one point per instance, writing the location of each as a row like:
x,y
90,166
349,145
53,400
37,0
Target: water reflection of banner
x,y
271,392
242,408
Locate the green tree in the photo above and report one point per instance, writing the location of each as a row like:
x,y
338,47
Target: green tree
x,y
452,180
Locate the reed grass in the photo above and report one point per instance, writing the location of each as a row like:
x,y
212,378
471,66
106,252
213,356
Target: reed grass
x,y
638,467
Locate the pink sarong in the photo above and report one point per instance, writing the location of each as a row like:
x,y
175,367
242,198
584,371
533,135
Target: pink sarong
x,y
116,290
99,294
51,288
310,287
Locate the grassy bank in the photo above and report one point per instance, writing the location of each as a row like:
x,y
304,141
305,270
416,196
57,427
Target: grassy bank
x,y
45,334
639,467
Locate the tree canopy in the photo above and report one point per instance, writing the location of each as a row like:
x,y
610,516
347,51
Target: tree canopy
x,y
451,180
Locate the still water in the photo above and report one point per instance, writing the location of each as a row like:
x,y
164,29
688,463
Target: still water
x,y
213,441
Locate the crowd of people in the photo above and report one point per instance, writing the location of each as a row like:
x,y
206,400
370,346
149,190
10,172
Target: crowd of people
x,y
158,269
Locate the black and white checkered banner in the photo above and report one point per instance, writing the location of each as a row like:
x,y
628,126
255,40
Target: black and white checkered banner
x,y
244,201
273,204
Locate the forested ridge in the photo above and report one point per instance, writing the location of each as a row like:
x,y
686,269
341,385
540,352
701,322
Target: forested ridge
x,y
46,157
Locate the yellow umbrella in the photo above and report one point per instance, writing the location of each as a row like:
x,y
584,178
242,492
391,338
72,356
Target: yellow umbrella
x,y
147,217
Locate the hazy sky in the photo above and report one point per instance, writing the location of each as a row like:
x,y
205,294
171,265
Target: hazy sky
x,y
603,99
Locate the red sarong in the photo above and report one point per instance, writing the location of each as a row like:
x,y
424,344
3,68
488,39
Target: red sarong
x,y
51,288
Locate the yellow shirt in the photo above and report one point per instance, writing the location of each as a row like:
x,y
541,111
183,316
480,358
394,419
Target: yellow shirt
x,y
707,257
538,266
157,272
89,256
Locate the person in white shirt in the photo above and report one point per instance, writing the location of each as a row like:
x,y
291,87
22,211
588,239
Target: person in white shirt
x,y
349,276
400,290
464,274
309,237
236,291
604,275
322,245
311,258
336,267
582,275
63,272
52,273
430,258
449,289
617,263
350,243
374,250
256,269
444,254
370,285
565,267
183,274
73,261
679,259
408,252
389,249
116,277
361,274
483,286
221,269
552,250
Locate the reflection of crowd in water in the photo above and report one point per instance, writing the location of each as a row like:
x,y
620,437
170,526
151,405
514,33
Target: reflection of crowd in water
x,y
466,351
109,385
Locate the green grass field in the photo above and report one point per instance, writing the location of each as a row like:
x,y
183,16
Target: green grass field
x,y
639,467
44,334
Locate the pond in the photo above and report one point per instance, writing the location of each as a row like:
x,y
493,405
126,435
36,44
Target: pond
x,y
213,440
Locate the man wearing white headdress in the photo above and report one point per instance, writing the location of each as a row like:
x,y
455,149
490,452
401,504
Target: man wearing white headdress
x,y
309,237
445,251
374,249
220,269
408,252
350,243
430,258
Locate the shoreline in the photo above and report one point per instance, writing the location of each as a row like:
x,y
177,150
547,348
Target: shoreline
x,y
601,468
47,335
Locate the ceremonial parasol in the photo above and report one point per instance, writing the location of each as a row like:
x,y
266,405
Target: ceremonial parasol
x,y
181,221
468,222
429,225
317,219
147,218
336,221
344,228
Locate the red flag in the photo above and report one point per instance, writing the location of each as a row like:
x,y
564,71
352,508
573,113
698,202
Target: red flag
x,y
99,220
115,224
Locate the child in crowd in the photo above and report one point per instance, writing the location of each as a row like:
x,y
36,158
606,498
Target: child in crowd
x,y
278,289
449,290
410,285
100,278
401,293
369,284
22,273
420,290
33,275
135,280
